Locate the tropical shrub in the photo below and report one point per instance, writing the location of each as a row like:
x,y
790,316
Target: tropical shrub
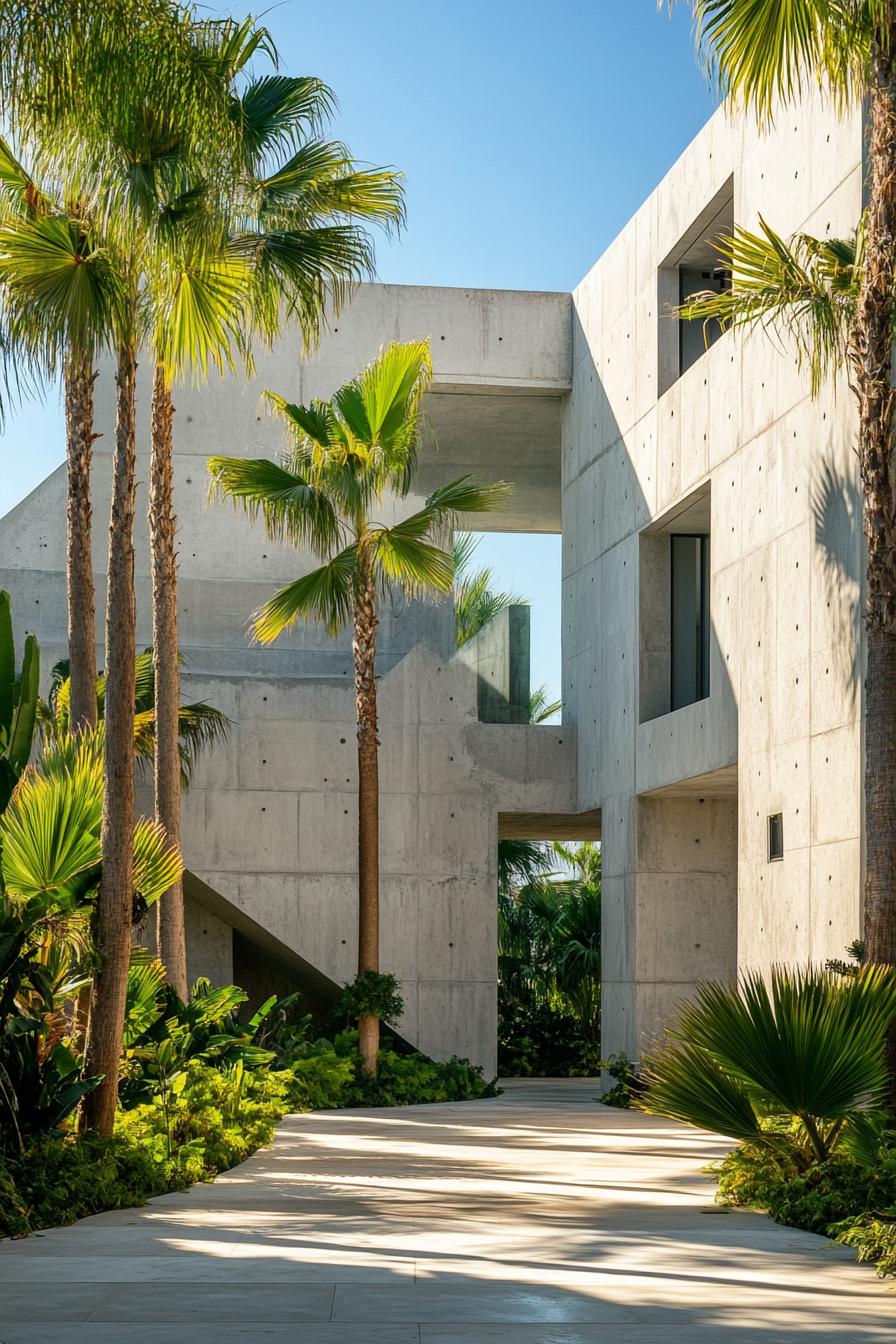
x,y
413,1079
793,1067
781,1064
814,1199
59,1178
539,1040
371,993
211,1121
872,1237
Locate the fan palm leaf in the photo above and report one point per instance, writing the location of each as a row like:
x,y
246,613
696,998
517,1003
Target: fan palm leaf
x,y
804,1045
767,51
804,288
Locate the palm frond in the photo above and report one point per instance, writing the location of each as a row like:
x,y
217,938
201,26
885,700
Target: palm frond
x,y
685,1083
325,595
200,307
804,287
541,709
200,727
157,863
274,111
766,51
51,829
402,556
292,509
450,503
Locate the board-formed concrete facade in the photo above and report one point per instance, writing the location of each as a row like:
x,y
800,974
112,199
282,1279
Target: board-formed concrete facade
x,y
578,401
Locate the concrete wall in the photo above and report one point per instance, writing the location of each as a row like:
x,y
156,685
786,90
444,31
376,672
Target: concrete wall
x,y
269,823
780,728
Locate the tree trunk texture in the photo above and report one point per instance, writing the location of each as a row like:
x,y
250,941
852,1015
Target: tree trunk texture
x,y
113,912
79,380
171,933
872,366
364,651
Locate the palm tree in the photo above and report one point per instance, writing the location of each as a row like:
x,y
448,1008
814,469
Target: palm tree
x,y
766,53
118,168
349,456
75,82
59,291
287,243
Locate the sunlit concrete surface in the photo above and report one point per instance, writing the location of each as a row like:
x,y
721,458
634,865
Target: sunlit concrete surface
x,y
537,1218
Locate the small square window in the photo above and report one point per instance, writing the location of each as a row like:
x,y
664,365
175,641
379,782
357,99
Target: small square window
x,y
775,837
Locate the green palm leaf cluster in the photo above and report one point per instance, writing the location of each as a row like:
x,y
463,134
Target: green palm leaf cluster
x,y
50,851
349,455
476,602
782,1062
200,725
803,288
763,52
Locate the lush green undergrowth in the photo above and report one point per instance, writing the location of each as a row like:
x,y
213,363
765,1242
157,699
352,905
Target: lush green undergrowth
x,y
540,1041
850,1201
209,1122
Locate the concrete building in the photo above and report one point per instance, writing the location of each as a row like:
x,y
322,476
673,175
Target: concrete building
x,y
712,558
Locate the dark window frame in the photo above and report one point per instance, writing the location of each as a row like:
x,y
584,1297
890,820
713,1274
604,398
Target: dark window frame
x,y
775,837
693,644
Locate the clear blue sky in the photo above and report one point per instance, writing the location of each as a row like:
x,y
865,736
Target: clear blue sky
x,y
529,132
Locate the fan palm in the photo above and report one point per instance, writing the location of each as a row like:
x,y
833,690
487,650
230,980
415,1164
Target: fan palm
x,y
285,240
766,53
350,454
60,290
782,1063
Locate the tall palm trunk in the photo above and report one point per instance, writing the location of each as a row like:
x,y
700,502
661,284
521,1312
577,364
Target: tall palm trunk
x,y
113,913
364,651
79,380
171,935
872,368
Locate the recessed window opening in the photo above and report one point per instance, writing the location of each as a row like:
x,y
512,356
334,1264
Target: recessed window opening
x,y
694,266
674,613
775,837
690,618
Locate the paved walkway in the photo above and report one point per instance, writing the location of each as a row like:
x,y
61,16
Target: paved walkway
x,y
538,1218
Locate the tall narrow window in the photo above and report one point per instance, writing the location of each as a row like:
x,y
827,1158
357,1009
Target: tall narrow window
x,y
690,619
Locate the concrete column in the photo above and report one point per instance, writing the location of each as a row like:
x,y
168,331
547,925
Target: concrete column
x,y
670,921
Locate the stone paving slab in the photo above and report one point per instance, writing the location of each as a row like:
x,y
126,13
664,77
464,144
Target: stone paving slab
x,y
537,1218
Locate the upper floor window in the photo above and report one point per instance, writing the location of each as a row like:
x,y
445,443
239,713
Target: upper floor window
x,y
692,267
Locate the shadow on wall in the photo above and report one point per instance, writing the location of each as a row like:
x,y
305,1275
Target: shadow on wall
x,y
837,511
